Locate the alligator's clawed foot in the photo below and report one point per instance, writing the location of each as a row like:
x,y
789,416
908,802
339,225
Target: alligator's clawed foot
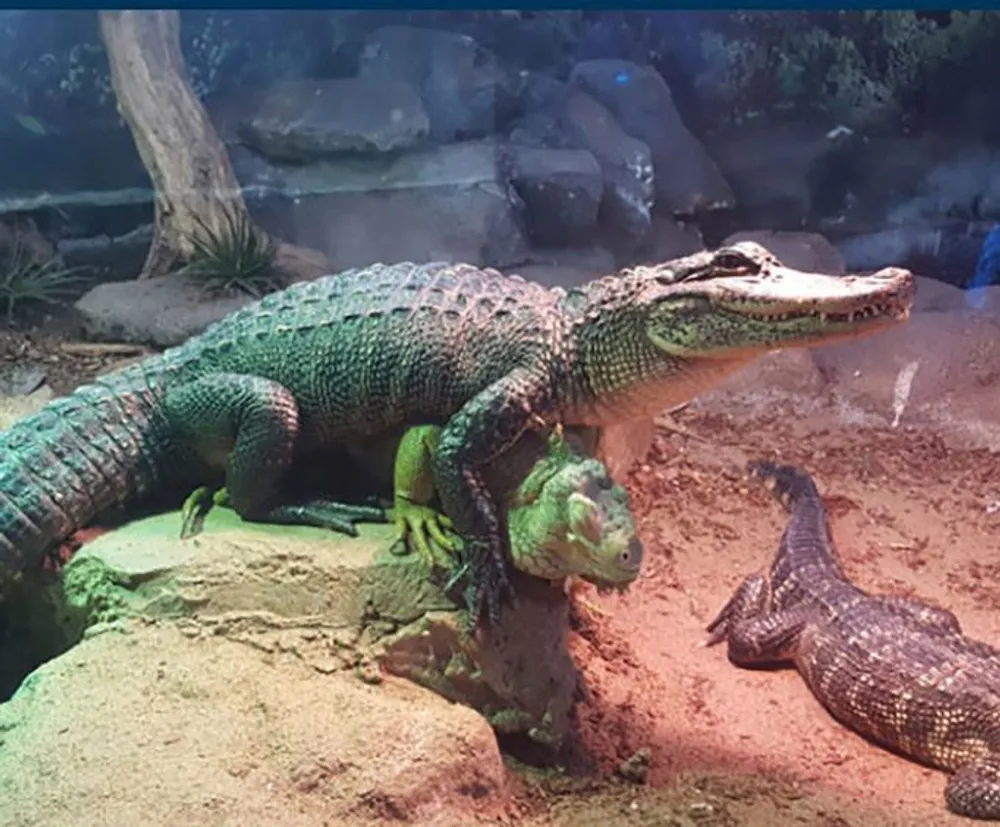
x,y
335,516
425,531
488,588
196,508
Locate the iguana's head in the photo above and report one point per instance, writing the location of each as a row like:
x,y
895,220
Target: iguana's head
x,y
571,518
740,301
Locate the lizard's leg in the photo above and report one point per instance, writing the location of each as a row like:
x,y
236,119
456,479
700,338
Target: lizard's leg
x,y
255,421
413,491
749,600
486,426
974,790
754,633
931,617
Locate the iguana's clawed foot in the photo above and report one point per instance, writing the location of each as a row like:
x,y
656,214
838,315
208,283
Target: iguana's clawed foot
x,y
196,508
425,531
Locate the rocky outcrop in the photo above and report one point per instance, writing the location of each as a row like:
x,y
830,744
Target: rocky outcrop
x,y
560,116
463,88
339,604
304,119
561,190
687,180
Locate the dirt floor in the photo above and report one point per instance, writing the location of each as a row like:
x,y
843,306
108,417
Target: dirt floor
x,y
728,746
741,747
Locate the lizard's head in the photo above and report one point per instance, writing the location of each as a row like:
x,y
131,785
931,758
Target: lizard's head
x,y
738,302
576,521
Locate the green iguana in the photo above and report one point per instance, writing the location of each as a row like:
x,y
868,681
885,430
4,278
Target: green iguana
x,y
486,356
565,515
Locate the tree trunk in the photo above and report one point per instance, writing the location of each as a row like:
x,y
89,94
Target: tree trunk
x,y
185,158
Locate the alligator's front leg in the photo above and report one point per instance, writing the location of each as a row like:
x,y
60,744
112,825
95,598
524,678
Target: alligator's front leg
x,y
250,425
485,427
754,632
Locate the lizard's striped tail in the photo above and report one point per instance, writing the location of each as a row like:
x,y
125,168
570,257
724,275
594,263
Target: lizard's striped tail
x,y
78,456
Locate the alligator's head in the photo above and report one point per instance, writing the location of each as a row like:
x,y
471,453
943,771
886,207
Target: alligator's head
x,y
653,337
570,518
741,300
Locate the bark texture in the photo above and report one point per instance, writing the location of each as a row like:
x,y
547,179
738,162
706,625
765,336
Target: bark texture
x,y
186,159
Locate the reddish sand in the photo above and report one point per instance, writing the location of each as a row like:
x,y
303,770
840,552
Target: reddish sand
x,y
735,746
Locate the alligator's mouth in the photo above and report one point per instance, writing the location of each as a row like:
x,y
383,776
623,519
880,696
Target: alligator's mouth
x,y
738,316
888,312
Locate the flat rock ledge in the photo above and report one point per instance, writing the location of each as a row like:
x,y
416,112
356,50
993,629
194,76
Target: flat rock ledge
x,y
274,674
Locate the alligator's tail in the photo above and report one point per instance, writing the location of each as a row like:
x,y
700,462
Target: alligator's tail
x,y
790,485
78,456
807,539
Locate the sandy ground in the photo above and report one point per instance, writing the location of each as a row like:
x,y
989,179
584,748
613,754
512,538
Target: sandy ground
x,y
735,746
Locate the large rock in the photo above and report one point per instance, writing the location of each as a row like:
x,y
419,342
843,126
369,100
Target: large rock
x,y
337,603
463,89
299,120
687,179
161,312
562,116
161,724
441,203
561,190
775,170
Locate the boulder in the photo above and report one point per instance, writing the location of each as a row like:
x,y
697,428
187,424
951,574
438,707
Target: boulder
x,y
562,116
668,239
687,180
161,724
161,312
561,190
464,90
772,169
299,120
443,202
339,605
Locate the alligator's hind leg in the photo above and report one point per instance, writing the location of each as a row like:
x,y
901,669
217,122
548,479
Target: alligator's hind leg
x,y
255,422
930,617
974,790
755,634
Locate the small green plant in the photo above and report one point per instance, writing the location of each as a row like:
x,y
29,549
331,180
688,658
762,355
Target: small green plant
x,y
27,279
237,258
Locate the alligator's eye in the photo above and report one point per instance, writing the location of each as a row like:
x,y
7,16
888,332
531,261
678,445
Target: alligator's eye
x,y
733,261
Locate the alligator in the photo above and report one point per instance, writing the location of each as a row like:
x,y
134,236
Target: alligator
x,y
487,357
892,668
565,515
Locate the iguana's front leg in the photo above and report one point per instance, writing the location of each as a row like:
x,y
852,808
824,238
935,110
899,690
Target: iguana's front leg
x,y
485,427
250,424
413,493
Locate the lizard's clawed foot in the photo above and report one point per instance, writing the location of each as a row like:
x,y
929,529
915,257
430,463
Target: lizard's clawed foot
x,y
196,508
425,531
335,516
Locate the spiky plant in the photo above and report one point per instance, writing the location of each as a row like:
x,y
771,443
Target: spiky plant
x,y
27,279
239,257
